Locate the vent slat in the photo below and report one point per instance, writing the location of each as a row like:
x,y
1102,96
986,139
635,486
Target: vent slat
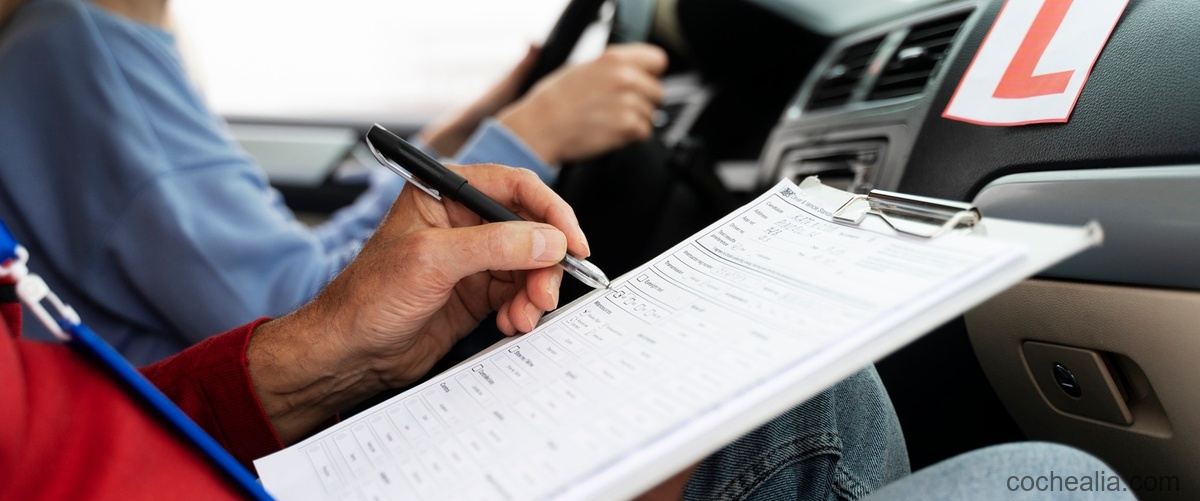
x,y
916,59
857,62
840,79
946,29
916,78
840,90
932,43
906,66
897,92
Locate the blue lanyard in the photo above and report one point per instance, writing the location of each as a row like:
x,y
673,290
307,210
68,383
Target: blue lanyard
x,y
67,327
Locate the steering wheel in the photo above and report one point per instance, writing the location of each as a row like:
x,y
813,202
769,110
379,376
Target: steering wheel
x,y
575,19
636,201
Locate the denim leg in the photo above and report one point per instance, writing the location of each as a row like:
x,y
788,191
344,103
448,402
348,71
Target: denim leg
x,y
1026,471
840,445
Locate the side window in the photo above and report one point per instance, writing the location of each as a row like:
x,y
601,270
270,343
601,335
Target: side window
x,y
353,60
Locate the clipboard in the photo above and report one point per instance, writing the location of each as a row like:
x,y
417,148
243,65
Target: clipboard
x,y
779,243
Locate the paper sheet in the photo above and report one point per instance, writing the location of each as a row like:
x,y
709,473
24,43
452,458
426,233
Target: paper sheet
x,y
559,412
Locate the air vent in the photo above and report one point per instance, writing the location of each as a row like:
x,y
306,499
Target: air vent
x,y
850,166
909,69
838,82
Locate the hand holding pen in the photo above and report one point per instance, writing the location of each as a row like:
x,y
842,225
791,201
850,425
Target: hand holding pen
x,y
438,181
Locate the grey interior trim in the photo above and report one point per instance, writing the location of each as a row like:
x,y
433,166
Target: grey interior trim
x,y
688,92
299,155
1149,215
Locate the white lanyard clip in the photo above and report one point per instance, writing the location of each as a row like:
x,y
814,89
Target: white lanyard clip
x,y
33,290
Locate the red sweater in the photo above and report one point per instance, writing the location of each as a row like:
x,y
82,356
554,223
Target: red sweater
x,y
69,432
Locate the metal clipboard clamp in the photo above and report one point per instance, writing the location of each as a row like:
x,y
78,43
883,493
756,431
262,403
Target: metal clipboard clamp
x,y
911,215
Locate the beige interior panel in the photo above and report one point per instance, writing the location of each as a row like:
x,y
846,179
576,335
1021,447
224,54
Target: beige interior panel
x,y
1151,341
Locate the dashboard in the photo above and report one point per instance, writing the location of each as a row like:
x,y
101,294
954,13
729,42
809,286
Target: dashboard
x,y
868,115
854,121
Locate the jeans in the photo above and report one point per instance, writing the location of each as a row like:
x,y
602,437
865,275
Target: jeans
x,y
842,444
1025,471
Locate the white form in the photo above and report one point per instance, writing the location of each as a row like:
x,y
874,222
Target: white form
x,y
543,415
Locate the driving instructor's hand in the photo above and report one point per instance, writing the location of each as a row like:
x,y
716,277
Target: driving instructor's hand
x,y
426,278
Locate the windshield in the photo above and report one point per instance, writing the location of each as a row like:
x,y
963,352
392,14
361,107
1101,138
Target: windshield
x,y
354,60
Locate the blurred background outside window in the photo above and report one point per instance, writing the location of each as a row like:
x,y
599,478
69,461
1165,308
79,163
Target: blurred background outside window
x,y
392,61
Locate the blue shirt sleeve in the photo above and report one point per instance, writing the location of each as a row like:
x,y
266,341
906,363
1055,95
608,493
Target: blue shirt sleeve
x,y
135,202
496,144
356,222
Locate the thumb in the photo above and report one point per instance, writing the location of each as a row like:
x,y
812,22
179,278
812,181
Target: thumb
x,y
649,58
516,245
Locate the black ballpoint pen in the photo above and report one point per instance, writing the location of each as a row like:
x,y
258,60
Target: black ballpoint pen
x,y
435,179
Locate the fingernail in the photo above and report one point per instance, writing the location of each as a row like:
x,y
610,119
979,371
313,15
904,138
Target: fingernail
x,y
542,250
552,288
586,248
531,314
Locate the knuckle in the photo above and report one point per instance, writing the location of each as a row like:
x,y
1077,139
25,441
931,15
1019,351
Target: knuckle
x,y
520,179
475,172
654,58
657,92
495,169
636,127
528,176
625,78
509,176
644,132
614,55
631,100
660,57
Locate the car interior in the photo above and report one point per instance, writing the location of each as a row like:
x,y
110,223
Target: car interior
x,y
1095,353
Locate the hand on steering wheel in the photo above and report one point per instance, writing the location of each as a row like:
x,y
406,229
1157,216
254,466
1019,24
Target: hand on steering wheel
x,y
579,112
566,115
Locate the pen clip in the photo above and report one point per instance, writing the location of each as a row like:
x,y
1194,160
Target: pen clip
x,y
404,173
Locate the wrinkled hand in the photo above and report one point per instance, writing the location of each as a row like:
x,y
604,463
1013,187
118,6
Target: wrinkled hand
x,y
582,111
425,279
